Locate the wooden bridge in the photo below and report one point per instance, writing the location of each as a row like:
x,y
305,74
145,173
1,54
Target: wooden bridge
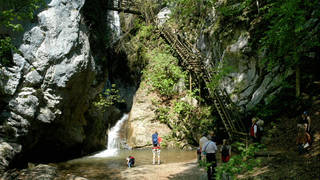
x,y
126,6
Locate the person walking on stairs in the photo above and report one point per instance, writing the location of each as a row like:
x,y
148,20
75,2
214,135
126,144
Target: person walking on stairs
x,y
156,147
209,150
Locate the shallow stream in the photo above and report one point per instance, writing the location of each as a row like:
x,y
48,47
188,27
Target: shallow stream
x,y
102,168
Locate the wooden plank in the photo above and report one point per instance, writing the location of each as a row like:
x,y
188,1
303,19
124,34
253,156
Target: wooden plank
x,y
125,10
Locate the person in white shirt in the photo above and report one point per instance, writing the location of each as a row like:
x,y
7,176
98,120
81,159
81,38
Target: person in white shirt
x,y
210,149
202,140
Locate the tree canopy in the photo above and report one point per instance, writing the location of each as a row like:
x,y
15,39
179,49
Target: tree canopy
x,y
12,14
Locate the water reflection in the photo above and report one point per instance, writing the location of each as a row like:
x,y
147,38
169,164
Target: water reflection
x,y
95,168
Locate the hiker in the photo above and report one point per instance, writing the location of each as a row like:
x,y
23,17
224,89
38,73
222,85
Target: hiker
x,y
303,140
130,161
225,151
156,147
255,131
202,140
209,150
305,120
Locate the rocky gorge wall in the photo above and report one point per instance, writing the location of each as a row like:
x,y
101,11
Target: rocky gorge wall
x,y
46,101
45,114
229,43
227,49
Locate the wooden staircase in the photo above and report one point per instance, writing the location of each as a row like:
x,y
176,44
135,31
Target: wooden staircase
x,y
192,60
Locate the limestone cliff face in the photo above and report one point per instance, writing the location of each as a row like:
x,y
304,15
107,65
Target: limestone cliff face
x,y
249,83
142,122
48,89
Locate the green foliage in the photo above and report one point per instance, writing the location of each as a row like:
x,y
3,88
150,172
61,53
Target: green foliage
x,y
244,161
163,72
234,9
108,98
185,120
190,14
12,13
163,114
14,10
5,51
190,9
293,31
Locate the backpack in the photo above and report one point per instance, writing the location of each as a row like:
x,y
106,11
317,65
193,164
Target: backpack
x,y
155,139
225,151
259,130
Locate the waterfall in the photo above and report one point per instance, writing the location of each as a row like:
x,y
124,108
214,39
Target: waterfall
x,y
114,22
113,139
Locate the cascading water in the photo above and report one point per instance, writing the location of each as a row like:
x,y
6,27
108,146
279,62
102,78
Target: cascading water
x,y
113,136
113,139
114,22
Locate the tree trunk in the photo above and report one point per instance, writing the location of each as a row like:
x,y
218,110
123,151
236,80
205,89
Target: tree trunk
x,y
298,90
190,82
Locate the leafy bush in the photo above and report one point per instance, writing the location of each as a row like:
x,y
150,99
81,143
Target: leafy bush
x,y
12,13
108,98
239,163
293,31
163,72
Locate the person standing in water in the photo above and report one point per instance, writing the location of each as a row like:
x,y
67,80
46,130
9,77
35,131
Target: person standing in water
x,y
156,147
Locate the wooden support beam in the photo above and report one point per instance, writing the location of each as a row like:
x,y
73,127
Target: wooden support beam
x,y
125,10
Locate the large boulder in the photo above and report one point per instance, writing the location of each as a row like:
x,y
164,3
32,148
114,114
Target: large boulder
x,y
48,88
38,172
142,122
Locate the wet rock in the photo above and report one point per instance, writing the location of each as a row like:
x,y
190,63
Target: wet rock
x,y
7,153
39,172
74,177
